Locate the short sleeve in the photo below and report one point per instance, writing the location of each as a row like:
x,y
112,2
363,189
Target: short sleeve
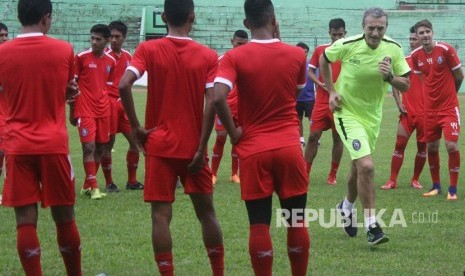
x,y
212,70
400,66
335,52
139,61
452,59
227,70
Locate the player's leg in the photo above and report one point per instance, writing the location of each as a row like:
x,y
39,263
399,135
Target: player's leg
x,y
420,158
2,157
161,236
260,245
218,148
346,207
132,163
87,133
27,240
402,137
132,156
300,108
22,191
234,166
211,230
433,132
106,161
336,156
69,241
298,239
451,128
312,148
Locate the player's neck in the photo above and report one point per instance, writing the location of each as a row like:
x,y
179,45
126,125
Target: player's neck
x,y
181,31
32,29
98,53
429,48
261,34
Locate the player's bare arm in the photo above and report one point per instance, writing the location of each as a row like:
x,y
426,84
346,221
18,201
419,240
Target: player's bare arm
x,y
335,99
311,75
458,76
224,113
397,97
198,162
138,133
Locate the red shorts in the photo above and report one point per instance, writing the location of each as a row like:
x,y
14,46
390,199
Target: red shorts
x,y
413,122
161,175
119,121
447,122
219,126
281,170
32,178
322,118
94,129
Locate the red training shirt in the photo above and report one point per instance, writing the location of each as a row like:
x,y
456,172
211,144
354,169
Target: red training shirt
x,y
122,62
34,73
439,82
266,92
412,99
322,96
179,71
93,74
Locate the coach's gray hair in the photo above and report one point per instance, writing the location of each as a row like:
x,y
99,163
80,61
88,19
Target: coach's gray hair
x,y
374,12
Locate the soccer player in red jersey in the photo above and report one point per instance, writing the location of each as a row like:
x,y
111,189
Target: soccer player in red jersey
x,y
322,117
267,139
240,37
91,112
175,145
118,119
442,73
37,153
3,107
411,118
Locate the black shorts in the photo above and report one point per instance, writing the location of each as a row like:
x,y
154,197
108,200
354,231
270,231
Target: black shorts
x,y
304,108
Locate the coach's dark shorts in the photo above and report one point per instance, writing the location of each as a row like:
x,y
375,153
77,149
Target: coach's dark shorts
x,y
304,108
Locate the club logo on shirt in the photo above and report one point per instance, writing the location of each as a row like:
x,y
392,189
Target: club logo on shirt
x,y
440,60
356,144
354,60
420,63
84,132
108,69
92,65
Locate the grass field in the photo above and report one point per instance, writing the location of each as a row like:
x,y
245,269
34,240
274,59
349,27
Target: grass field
x,y
115,232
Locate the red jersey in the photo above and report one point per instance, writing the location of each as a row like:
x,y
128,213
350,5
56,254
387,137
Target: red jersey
x,y
93,74
266,94
122,62
3,110
34,73
322,96
179,71
439,82
232,97
412,99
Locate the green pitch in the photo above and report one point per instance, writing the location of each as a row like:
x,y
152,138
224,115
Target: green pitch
x,y
116,231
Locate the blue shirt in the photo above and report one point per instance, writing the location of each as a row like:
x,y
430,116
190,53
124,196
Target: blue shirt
x,y
308,93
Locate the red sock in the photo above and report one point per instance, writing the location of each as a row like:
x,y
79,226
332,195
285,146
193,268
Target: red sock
x,y
165,263
398,156
132,162
217,153
69,244
234,162
28,247
420,160
454,167
334,168
91,180
106,168
433,161
216,256
261,249
298,246
308,167
97,166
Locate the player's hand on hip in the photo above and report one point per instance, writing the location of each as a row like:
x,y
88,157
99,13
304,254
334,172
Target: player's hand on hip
x,y
236,135
402,110
140,136
197,163
335,101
